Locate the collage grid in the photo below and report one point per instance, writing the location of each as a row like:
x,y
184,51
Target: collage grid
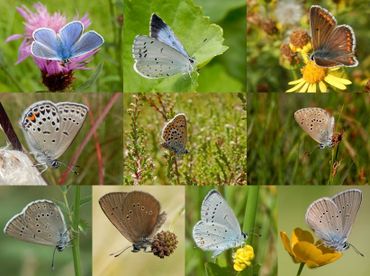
x,y
184,137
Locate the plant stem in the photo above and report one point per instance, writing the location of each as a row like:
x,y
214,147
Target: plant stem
x,y
301,266
76,235
251,211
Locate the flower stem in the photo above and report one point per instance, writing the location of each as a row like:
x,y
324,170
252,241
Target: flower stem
x,y
301,266
251,211
76,234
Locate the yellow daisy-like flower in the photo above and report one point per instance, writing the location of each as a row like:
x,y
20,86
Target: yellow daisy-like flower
x,y
303,249
243,258
314,76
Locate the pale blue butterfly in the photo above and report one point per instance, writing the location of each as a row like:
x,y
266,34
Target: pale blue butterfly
x,y
50,129
70,42
41,222
332,218
318,123
161,54
218,229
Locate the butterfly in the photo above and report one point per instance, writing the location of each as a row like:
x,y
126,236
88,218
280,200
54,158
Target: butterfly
x,y
332,218
70,42
332,45
218,229
174,134
318,123
136,215
160,54
50,128
41,222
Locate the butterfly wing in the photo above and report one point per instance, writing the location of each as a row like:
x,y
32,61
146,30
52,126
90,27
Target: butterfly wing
x,y
218,228
40,222
70,34
174,134
317,123
88,42
348,203
325,220
340,50
333,45
162,32
45,44
155,59
41,125
322,24
72,116
125,212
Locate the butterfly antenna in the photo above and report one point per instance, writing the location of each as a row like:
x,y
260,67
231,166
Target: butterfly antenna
x,y
356,250
119,252
52,261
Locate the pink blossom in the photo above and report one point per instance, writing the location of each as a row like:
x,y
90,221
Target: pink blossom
x,y
51,71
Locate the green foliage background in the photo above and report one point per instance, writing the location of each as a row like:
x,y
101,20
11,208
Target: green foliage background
x,y
23,258
216,139
225,71
265,72
280,152
26,77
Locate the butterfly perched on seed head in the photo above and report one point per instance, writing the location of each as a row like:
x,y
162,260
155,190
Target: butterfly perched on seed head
x,y
332,45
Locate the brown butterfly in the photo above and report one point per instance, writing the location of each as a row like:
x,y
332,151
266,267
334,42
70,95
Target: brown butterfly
x,y
136,215
333,45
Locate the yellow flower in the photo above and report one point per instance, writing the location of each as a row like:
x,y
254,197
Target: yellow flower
x,y
304,50
302,249
243,258
314,75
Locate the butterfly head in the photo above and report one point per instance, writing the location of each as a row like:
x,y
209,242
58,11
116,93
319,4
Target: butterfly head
x,y
64,241
142,244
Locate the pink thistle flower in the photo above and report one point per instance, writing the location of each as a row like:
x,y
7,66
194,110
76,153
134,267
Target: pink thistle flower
x,y
55,75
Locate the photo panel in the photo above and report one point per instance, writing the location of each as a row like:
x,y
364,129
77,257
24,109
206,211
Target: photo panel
x,y
338,216
139,230
47,230
307,46
231,230
69,139
184,46
51,46
308,139
187,138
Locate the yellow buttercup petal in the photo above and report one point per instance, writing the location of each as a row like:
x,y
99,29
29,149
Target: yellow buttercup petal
x,y
297,87
312,88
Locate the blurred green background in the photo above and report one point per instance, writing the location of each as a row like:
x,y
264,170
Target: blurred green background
x,y
27,259
292,205
280,152
223,73
269,26
216,139
105,19
262,236
105,145
107,239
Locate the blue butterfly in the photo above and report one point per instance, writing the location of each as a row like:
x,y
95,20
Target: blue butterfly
x,y
70,42
160,54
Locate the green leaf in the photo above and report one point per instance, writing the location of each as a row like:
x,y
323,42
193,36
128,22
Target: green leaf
x,y
219,11
223,83
201,39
